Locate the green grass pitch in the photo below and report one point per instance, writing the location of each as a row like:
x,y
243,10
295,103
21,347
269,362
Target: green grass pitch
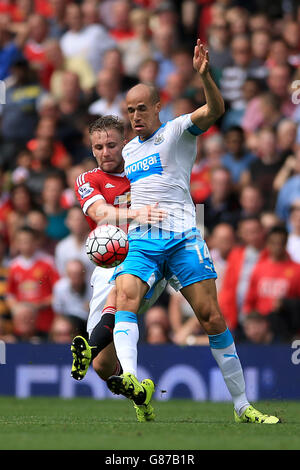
x,y
83,423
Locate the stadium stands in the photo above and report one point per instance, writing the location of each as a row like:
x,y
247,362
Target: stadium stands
x,y
64,62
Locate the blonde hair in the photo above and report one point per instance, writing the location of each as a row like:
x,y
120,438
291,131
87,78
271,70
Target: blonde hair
x,y
138,15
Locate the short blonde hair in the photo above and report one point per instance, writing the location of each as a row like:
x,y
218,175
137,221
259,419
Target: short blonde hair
x,y
138,15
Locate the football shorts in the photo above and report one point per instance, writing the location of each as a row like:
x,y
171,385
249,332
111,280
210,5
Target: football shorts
x,y
181,258
102,287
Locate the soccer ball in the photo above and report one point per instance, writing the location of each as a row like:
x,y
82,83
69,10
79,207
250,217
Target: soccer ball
x,y
107,246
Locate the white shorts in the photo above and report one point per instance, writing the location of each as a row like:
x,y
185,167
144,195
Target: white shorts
x,y
101,288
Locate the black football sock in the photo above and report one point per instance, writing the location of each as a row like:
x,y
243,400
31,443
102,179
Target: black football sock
x,y
102,334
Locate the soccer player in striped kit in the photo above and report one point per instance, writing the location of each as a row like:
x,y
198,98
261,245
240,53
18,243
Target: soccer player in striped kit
x,y
158,163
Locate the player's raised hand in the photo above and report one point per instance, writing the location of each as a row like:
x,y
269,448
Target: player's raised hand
x,y
200,59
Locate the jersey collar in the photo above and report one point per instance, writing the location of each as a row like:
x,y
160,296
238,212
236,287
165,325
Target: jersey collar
x,y
150,136
120,175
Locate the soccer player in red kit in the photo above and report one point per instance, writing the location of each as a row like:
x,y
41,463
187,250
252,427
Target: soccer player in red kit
x,y
274,277
98,185
104,196
98,188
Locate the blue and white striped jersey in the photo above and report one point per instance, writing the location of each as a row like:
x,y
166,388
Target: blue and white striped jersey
x,y
159,170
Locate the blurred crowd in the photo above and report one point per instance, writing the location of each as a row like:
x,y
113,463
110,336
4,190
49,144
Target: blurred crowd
x,y
63,63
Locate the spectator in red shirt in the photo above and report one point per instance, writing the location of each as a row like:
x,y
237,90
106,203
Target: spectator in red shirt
x,y
221,243
31,278
240,263
278,54
34,48
47,129
274,278
122,29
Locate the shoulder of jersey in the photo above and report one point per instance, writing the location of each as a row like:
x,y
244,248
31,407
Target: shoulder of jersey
x,y
14,262
129,144
87,175
43,257
40,257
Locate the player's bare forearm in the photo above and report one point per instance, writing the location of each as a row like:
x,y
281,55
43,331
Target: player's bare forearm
x,y
206,115
103,213
214,107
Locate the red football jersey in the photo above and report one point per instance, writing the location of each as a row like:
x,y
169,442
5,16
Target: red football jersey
x,y
95,185
271,281
33,281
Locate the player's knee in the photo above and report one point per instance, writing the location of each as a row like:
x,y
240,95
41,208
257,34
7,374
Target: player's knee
x,y
216,321
209,313
129,294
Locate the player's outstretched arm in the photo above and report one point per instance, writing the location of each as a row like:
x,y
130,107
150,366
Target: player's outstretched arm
x,y
206,115
103,213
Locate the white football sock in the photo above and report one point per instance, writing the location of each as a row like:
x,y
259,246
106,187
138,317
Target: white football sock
x,y
227,359
126,336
